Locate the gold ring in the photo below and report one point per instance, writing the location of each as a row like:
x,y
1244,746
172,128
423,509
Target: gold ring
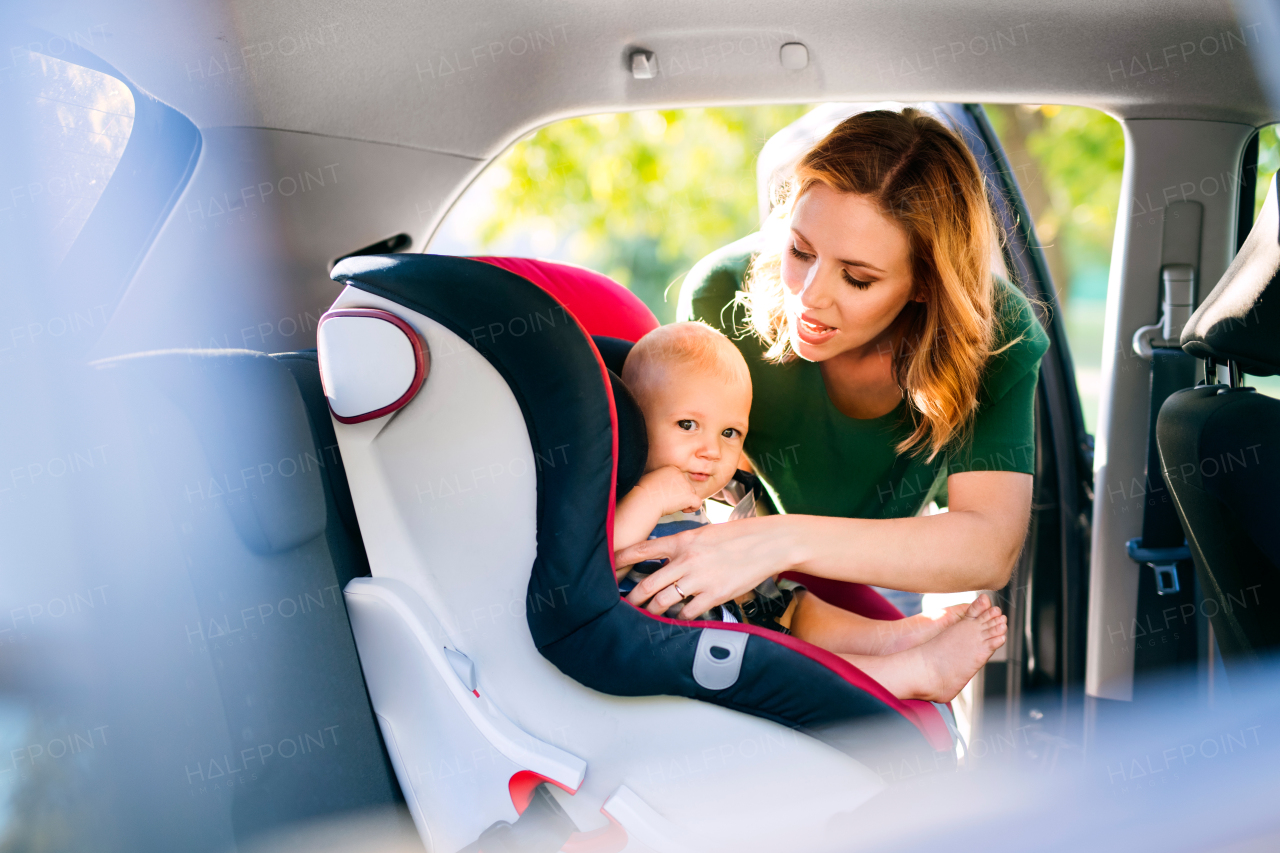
x,y
679,590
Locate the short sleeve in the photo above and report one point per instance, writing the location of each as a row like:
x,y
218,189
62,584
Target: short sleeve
x,y
1004,433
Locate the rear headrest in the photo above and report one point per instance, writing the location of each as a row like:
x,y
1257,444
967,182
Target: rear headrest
x,y
1238,322
249,416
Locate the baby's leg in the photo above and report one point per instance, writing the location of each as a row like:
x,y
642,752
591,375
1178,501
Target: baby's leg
x,y
940,668
815,621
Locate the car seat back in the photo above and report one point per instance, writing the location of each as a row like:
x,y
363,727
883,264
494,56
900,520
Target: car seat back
x,y
271,723
1220,448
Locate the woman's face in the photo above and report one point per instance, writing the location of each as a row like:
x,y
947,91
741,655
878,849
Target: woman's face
x,y
847,272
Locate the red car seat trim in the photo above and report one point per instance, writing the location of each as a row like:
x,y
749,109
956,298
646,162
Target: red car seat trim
x,y
522,784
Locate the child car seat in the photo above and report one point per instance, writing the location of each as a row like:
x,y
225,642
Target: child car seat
x,y
480,432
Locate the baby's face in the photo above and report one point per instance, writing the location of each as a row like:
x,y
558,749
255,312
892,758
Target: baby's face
x,y
697,422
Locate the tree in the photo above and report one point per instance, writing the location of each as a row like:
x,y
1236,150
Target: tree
x,y
1068,162
639,196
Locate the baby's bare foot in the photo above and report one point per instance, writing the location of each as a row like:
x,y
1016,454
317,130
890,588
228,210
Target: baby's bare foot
x,y
901,634
896,635
953,657
939,669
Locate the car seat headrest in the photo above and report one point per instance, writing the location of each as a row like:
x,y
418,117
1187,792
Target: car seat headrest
x,y
613,351
633,438
250,419
1238,322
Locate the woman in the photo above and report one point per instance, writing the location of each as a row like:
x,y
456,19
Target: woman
x,y
888,364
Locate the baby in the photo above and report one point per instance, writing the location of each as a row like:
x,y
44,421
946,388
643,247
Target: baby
x,y
695,391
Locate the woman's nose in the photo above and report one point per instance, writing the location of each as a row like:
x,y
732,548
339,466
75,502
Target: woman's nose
x,y
814,293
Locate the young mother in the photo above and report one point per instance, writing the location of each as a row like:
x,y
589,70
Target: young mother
x,y
889,363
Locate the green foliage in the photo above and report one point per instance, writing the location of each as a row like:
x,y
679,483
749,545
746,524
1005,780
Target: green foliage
x,y
643,196
640,196
1268,163
1079,154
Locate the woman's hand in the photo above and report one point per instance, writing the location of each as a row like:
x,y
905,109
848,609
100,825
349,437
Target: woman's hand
x,y
713,564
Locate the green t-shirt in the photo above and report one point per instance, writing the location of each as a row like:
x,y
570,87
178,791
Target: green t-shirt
x,y
813,459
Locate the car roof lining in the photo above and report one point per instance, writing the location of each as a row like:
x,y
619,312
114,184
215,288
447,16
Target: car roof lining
x,y
443,78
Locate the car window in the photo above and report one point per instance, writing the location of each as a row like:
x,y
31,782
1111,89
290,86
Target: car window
x,y
1068,162
78,122
640,196
1268,164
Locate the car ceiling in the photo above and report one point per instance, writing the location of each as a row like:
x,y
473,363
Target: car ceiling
x,y
406,101
469,78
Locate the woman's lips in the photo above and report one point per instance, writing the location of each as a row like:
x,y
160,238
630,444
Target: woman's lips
x,y
812,332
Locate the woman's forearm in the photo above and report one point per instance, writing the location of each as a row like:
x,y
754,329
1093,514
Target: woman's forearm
x,y
973,546
948,552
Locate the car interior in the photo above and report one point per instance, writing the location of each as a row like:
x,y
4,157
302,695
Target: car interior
x,y
246,399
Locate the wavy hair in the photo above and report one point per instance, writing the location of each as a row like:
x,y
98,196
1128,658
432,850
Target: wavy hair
x,y
923,177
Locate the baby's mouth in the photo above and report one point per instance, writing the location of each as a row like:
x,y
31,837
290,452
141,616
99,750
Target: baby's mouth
x,y
699,477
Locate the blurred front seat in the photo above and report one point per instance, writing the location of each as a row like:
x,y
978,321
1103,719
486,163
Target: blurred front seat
x,y
1220,448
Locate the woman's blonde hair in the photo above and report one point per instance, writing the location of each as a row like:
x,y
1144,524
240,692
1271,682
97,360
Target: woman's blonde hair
x,y
922,177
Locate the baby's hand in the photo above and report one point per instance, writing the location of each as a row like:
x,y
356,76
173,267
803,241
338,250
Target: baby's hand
x,y
670,490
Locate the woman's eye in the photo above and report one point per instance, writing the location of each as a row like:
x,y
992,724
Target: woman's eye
x,y
686,424
858,283
804,256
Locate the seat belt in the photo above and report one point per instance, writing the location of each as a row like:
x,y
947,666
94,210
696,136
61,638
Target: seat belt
x,y
1162,545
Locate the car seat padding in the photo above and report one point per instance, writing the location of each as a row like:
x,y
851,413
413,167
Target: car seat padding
x,y
599,303
562,387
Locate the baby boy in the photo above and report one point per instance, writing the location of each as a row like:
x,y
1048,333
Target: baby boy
x,y
694,389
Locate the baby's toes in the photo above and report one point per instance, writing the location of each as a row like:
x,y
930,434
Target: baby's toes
x,y
979,606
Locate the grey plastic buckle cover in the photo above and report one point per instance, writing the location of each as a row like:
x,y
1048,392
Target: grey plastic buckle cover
x,y
718,659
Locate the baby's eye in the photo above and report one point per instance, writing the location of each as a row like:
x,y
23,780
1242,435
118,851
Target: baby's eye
x,y
687,424
730,432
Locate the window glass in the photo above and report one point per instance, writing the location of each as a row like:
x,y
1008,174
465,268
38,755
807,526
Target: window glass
x,y
639,196
1068,162
1268,163
77,122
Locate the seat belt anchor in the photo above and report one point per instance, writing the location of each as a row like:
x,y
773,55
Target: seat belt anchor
x,y
1176,305
1163,560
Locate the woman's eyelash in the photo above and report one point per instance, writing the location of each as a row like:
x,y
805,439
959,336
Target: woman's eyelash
x,y
858,283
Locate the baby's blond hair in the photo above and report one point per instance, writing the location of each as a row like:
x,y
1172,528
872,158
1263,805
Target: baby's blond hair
x,y
692,344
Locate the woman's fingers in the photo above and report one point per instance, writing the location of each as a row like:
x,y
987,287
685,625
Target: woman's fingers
x,y
663,601
697,607
656,583
649,549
